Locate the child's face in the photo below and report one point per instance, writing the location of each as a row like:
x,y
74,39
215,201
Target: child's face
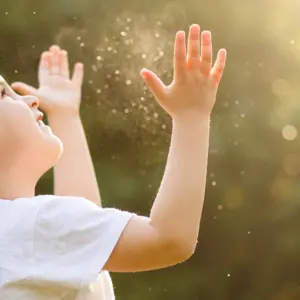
x,y
23,136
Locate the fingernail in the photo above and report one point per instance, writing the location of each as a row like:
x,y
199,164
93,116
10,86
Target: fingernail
x,y
144,74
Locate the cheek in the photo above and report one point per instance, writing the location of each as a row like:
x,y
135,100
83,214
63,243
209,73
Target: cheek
x,y
17,118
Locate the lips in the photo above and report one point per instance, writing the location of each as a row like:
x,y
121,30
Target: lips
x,y
41,123
39,120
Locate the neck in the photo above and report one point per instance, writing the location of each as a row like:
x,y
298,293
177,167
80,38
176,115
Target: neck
x,y
15,185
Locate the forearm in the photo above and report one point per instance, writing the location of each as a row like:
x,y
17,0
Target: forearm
x,y
74,175
177,210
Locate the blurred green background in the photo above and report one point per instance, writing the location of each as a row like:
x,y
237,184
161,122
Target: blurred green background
x,y
249,245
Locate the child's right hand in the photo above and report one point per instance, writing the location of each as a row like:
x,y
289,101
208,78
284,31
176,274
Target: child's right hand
x,y
195,82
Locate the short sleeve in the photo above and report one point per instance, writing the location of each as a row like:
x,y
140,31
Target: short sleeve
x,y
74,238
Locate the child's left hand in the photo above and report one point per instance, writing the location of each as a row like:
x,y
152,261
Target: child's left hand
x,y
58,93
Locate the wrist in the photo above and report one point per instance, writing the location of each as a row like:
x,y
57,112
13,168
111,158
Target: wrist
x,y
191,118
63,116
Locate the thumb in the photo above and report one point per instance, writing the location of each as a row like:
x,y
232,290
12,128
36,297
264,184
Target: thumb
x,y
154,83
24,89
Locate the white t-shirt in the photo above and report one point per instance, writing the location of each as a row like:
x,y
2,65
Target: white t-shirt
x,y
54,248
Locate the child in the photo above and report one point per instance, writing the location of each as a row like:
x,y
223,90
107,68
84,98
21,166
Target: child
x,y
53,247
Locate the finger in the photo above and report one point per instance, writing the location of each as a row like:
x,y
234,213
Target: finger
x,y
194,47
78,74
55,67
180,66
219,66
64,64
24,89
206,52
154,83
44,68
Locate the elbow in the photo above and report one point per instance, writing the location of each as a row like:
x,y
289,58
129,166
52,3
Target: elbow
x,y
180,251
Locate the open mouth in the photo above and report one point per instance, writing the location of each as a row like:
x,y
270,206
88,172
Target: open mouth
x,y
41,124
39,120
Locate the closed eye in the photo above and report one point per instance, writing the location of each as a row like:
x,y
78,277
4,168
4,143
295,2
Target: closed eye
x,y
3,93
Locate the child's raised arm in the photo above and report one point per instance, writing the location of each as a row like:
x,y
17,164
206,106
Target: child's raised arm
x,y
60,97
169,235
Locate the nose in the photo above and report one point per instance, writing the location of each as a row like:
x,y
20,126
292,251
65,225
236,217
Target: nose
x,y
31,101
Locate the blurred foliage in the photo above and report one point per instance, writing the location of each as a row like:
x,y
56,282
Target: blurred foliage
x,y
249,246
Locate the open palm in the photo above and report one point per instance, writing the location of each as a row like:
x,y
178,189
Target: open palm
x,y
57,92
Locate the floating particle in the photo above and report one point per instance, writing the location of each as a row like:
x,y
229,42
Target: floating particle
x,y
157,35
292,42
158,23
108,76
115,51
220,207
34,12
144,56
117,72
289,132
142,98
16,71
212,175
109,48
6,13
237,102
249,232
106,86
99,58
155,115
94,68
163,126
126,111
128,82
123,33
128,20
99,91
213,183
133,104
81,44
127,28
90,81
225,104
114,111
161,53
79,38
242,115
228,275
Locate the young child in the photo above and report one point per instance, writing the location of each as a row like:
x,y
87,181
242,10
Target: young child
x,y
53,247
